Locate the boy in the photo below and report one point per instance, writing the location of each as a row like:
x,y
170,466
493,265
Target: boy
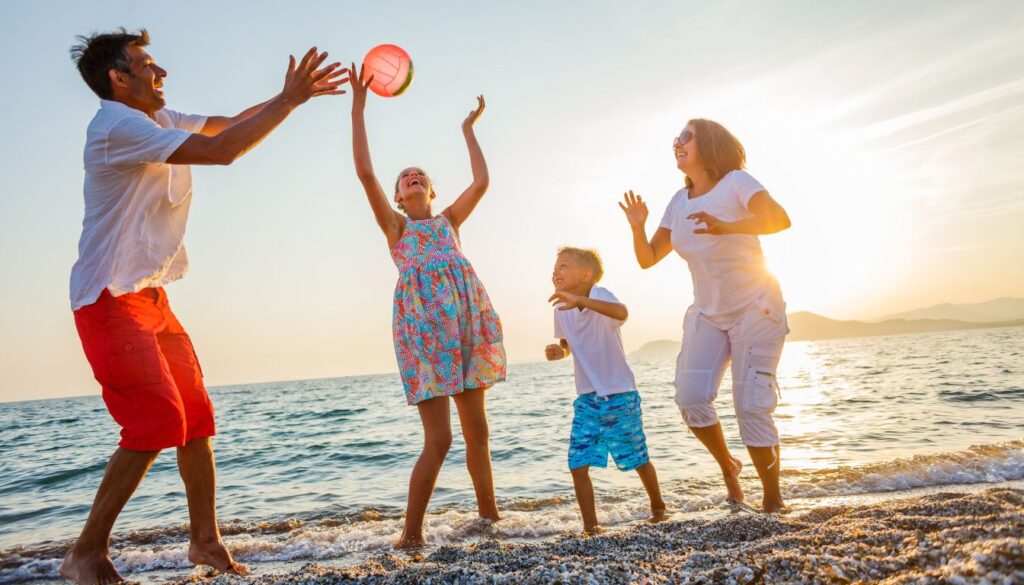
x,y
606,414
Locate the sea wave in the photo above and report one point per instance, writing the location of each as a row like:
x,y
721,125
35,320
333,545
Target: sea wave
x,y
372,529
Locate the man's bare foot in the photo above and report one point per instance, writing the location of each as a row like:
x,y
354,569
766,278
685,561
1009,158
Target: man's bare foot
x,y
593,530
658,515
216,555
410,542
85,569
732,481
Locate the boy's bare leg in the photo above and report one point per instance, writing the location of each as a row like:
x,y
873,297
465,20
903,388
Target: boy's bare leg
x,y
473,420
767,461
437,439
714,441
649,477
199,473
585,498
88,562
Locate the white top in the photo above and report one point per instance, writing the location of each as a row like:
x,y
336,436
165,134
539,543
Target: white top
x,y
728,271
136,206
596,344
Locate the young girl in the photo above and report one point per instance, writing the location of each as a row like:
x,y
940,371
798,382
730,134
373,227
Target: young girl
x,y
447,335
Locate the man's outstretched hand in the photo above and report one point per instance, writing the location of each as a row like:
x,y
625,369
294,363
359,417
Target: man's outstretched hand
x,y
308,79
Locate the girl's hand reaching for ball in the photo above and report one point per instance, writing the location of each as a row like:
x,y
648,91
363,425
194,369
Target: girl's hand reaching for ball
x,y
359,87
474,115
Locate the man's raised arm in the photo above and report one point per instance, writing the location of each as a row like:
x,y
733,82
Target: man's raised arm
x,y
301,83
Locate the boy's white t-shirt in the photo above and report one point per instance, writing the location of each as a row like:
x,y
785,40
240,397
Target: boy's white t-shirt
x,y
136,205
595,340
728,271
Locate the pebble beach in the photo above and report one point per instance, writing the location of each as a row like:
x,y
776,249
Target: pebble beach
x,y
944,537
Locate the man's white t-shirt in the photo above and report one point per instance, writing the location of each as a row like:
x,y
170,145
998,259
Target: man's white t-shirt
x,y
728,270
136,205
595,340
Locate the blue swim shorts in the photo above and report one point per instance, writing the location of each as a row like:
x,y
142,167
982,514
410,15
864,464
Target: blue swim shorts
x,y
610,424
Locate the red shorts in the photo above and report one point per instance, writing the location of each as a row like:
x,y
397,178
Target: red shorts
x,y
143,359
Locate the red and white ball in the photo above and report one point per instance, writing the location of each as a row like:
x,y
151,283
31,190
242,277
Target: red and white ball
x,y
391,69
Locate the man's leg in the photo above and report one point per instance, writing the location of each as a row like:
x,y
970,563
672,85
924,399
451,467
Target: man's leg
x,y
195,458
88,562
198,471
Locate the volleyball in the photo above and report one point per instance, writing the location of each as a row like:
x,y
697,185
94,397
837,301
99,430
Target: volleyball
x,y
391,69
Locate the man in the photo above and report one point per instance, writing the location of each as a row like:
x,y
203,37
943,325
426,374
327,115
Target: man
x,y
138,188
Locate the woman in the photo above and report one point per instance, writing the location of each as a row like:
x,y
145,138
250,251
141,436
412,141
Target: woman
x,y
738,314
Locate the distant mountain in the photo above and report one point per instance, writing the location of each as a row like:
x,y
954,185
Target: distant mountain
x,y
1003,309
806,326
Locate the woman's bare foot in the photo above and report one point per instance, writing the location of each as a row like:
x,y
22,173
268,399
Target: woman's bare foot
x,y
85,569
773,506
215,554
593,530
732,480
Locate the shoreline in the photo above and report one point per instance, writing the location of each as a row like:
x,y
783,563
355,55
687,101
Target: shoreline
x,y
951,536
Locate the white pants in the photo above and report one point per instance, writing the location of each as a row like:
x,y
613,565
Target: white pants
x,y
752,340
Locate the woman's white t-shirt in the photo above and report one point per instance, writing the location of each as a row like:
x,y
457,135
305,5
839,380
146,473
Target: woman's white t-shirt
x,y
728,270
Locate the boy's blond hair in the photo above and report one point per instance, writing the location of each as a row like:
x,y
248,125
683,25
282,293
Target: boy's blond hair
x,y
588,257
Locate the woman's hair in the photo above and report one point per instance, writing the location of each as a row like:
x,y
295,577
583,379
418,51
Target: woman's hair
x,y
720,152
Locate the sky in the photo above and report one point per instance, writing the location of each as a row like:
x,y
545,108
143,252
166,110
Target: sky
x,y
892,133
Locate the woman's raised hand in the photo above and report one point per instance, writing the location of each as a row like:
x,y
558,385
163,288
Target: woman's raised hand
x,y
474,115
634,208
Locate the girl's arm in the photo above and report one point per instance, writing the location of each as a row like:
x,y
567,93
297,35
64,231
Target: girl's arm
x,y
390,221
768,218
458,212
648,253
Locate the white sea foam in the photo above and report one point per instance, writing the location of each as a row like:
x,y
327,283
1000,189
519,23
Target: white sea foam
x,y
296,541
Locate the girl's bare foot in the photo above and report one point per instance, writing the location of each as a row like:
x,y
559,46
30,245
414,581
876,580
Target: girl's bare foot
x,y
732,480
410,542
85,569
658,515
215,554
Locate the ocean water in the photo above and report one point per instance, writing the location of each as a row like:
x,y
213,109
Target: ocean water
x,y
317,469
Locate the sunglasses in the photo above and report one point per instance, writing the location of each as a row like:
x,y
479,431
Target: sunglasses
x,y
680,141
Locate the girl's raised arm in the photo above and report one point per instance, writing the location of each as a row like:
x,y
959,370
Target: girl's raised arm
x,y
458,212
390,221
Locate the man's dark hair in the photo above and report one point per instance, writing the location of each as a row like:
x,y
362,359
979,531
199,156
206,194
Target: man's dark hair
x,y
97,54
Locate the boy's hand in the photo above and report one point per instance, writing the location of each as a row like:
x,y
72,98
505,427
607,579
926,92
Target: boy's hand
x,y
474,115
554,352
565,300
